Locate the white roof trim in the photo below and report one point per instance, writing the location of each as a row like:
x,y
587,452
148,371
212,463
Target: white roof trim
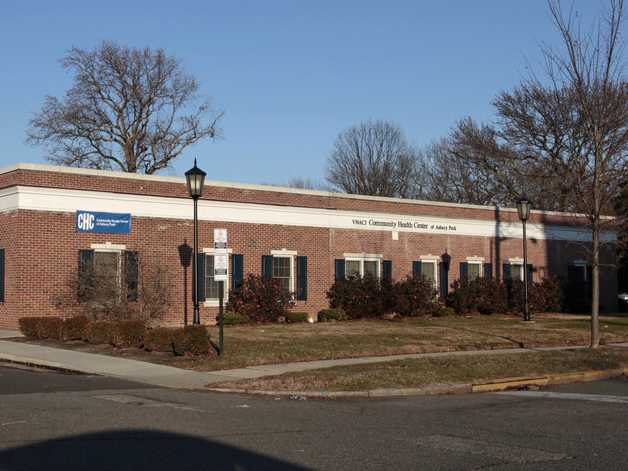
x,y
280,189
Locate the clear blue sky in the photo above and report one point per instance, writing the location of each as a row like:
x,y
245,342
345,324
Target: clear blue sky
x,y
290,75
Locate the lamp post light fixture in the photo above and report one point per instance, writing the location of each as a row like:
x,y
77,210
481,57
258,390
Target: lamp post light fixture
x,y
523,208
195,179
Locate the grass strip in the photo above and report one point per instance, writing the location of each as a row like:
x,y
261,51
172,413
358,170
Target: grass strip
x,y
439,370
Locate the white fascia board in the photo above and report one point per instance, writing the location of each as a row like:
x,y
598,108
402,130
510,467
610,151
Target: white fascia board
x,y
272,188
62,200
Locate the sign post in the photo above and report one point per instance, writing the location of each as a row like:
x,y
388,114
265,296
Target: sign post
x,y
221,262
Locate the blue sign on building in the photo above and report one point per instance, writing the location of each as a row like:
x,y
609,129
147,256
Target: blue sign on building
x,y
104,223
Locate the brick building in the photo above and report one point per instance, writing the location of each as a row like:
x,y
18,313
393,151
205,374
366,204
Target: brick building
x,y
304,237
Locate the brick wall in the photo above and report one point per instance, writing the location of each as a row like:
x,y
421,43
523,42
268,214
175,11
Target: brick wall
x,y
42,247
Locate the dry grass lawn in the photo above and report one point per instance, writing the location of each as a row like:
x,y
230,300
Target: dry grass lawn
x,y
441,370
279,343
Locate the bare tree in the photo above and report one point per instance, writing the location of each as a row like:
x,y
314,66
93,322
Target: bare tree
x,y
373,158
591,68
564,137
133,110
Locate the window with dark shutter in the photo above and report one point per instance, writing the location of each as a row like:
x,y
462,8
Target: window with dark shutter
x,y
339,269
200,280
488,271
301,278
237,271
267,266
464,270
132,273
387,271
416,269
443,271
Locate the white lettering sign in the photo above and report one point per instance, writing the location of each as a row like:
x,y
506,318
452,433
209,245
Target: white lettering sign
x,y
221,261
220,238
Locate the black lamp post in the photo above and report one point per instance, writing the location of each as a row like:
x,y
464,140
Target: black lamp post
x,y
523,208
195,178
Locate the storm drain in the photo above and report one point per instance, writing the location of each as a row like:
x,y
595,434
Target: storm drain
x,y
509,454
137,401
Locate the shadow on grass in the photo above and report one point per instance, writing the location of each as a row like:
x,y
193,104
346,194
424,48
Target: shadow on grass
x,y
136,449
518,343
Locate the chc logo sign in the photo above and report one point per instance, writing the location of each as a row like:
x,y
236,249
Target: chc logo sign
x,y
85,221
110,223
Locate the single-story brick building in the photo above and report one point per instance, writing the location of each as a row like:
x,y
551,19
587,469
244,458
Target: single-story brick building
x,y
305,238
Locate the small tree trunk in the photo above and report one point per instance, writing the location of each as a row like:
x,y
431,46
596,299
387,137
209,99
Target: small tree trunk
x,y
595,286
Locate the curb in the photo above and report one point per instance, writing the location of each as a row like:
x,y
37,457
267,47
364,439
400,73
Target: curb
x,y
50,365
441,389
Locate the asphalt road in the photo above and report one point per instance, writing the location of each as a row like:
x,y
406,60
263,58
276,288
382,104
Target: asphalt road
x,y
54,421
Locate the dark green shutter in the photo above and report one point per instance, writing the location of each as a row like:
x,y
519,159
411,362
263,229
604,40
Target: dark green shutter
x,y
506,271
339,269
464,270
301,278
443,275
530,273
267,266
387,270
488,271
85,268
416,269
237,271
2,272
132,275
200,279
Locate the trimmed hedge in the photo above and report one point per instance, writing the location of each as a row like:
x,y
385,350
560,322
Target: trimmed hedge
x,y
100,332
192,339
74,328
233,318
28,326
126,334
296,317
332,314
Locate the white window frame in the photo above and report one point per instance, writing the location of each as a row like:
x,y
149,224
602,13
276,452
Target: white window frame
x,y
215,302
364,258
477,261
435,260
292,255
519,262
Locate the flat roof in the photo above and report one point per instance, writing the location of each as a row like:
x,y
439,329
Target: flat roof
x,y
273,188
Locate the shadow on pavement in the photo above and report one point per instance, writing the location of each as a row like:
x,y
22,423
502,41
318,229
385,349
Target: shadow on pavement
x,y
135,449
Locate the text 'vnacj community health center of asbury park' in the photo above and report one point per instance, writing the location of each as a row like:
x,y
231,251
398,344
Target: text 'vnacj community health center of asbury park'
x,y
52,217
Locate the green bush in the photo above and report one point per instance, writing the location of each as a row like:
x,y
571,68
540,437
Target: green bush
x,y
483,295
296,317
29,326
413,296
100,332
74,327
358,297
127,334
260,299
439,309
332,314
543,296
233,318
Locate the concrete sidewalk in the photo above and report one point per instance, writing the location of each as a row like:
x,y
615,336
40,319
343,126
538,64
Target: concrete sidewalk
x,y
167,376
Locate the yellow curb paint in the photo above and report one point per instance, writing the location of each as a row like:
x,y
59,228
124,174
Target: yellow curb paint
x,y
510,384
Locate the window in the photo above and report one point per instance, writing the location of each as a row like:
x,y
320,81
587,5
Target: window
x,y
362,266
212,287
516,270
474,270
579,274
428,270
107,272
282,271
